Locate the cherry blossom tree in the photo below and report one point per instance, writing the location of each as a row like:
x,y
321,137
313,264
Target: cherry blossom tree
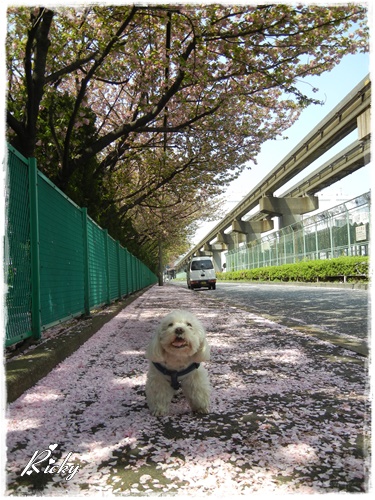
x,y
166,223
131,99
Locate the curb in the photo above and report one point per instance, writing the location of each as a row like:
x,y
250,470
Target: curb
x,y
27,369
321,284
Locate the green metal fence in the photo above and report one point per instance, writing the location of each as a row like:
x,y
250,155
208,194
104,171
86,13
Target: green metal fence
x,y
17,251
59,263
343,230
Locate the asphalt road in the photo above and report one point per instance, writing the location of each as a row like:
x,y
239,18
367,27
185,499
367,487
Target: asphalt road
x,y
337,311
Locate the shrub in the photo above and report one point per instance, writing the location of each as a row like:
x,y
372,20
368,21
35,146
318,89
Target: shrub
x,y
356,268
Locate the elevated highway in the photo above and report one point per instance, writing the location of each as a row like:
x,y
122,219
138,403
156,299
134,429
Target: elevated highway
x,y
353,112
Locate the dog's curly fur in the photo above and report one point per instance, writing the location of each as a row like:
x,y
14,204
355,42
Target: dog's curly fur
x,y
179,341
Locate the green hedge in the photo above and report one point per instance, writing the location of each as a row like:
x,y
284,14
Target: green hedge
x,y
354,268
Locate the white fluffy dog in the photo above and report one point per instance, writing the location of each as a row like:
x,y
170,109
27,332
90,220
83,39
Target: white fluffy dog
x,y
175,354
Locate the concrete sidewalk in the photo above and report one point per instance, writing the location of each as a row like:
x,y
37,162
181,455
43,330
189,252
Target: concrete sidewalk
x,y
33,360
288,413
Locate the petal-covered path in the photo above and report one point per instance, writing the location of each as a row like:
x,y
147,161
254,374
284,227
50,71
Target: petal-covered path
x,y
289,413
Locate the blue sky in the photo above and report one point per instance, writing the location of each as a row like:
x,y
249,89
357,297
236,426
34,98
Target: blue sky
x,y
333,87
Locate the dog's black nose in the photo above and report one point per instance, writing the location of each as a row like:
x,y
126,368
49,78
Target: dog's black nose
x,y
179,331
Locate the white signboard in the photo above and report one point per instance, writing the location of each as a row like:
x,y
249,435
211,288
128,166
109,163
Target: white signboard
x,y
360,233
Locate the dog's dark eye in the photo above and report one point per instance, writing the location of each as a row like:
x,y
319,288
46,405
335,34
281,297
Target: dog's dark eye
x,y
189,324
170,324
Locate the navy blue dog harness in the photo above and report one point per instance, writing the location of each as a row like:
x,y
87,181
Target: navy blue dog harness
x,y
175,374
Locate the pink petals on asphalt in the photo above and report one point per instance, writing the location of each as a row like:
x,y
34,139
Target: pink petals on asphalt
x,y
288,412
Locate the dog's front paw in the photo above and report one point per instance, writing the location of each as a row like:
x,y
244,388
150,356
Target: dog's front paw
x,y
159,412
202,410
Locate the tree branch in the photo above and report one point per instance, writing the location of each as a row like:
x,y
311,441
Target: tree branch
x,y
142,121
152,189
17,126
67,166
70,68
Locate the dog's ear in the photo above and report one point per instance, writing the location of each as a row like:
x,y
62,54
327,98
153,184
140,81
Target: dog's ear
x,y
155,351
203,353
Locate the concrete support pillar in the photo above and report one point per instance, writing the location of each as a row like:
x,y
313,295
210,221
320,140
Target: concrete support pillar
x,y
213,251
207,249
288,209
229,240
364,124
222,239
252,230
216,257
238,235
288,220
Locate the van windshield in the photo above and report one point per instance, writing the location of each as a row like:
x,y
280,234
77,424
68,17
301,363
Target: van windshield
x,y
197,265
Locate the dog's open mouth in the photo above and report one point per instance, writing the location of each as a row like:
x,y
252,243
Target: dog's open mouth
x,y
179,343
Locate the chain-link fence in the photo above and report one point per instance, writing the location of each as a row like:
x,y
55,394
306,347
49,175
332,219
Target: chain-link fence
x,y
58,262
340,231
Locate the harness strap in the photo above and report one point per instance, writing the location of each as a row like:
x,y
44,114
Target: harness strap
x,y
175,374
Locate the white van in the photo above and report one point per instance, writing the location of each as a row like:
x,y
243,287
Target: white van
x,y
200,273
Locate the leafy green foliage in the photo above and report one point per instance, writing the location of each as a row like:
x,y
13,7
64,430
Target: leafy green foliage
x,y
354,268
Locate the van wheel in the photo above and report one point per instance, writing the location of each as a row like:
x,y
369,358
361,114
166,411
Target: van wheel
x,y
214,287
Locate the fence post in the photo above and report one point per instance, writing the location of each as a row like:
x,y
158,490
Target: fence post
x,y
118,268
130,274
330,223
316,242
34,248
126,273
139,280
107,265
348,230
86,262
